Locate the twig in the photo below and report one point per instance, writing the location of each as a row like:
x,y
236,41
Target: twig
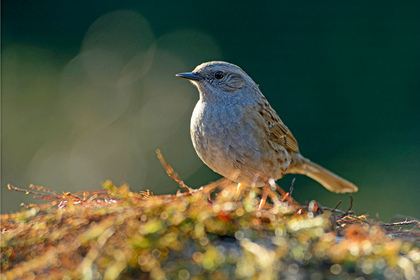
x,y
46,197
44,189
171,173
335,207
351,205
404,223
291,186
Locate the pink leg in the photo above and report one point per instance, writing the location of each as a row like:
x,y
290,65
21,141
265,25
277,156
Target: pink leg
x,y
238,191
263,197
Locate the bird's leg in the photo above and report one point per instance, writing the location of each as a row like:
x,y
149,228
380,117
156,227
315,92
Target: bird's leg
x,y
272,191
238,191
264,194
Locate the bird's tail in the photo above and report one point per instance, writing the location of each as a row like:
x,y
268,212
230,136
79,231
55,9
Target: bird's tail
x,y
326,178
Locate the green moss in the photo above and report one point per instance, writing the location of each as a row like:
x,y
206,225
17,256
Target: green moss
x,y
118,234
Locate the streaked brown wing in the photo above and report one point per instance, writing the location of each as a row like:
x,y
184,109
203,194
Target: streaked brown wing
x,y
278,131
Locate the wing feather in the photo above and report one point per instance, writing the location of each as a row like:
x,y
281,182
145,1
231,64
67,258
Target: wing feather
x,y
277,130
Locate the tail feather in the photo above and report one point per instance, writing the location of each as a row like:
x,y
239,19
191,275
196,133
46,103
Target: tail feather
x,y
326,178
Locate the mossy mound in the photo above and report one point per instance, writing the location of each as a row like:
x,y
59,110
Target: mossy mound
x,y
205,234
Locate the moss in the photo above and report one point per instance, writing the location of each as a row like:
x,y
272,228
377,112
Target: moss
x,y
118,234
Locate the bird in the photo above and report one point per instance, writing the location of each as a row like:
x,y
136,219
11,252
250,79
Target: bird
x,y
237,133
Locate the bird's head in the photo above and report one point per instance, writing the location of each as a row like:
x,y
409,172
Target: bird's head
x,y
218,79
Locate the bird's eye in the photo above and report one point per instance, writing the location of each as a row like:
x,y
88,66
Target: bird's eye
x,y
218,75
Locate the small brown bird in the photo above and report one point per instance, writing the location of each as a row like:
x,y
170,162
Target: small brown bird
x,y
237,134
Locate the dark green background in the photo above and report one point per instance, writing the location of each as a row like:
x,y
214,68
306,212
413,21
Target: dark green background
x,y
343,75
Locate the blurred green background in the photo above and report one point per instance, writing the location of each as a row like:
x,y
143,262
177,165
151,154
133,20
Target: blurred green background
x,y
89,92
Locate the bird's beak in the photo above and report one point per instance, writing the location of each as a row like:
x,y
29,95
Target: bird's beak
x,y
190,76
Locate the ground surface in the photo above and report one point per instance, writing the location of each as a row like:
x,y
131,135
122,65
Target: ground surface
x,y
203,234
